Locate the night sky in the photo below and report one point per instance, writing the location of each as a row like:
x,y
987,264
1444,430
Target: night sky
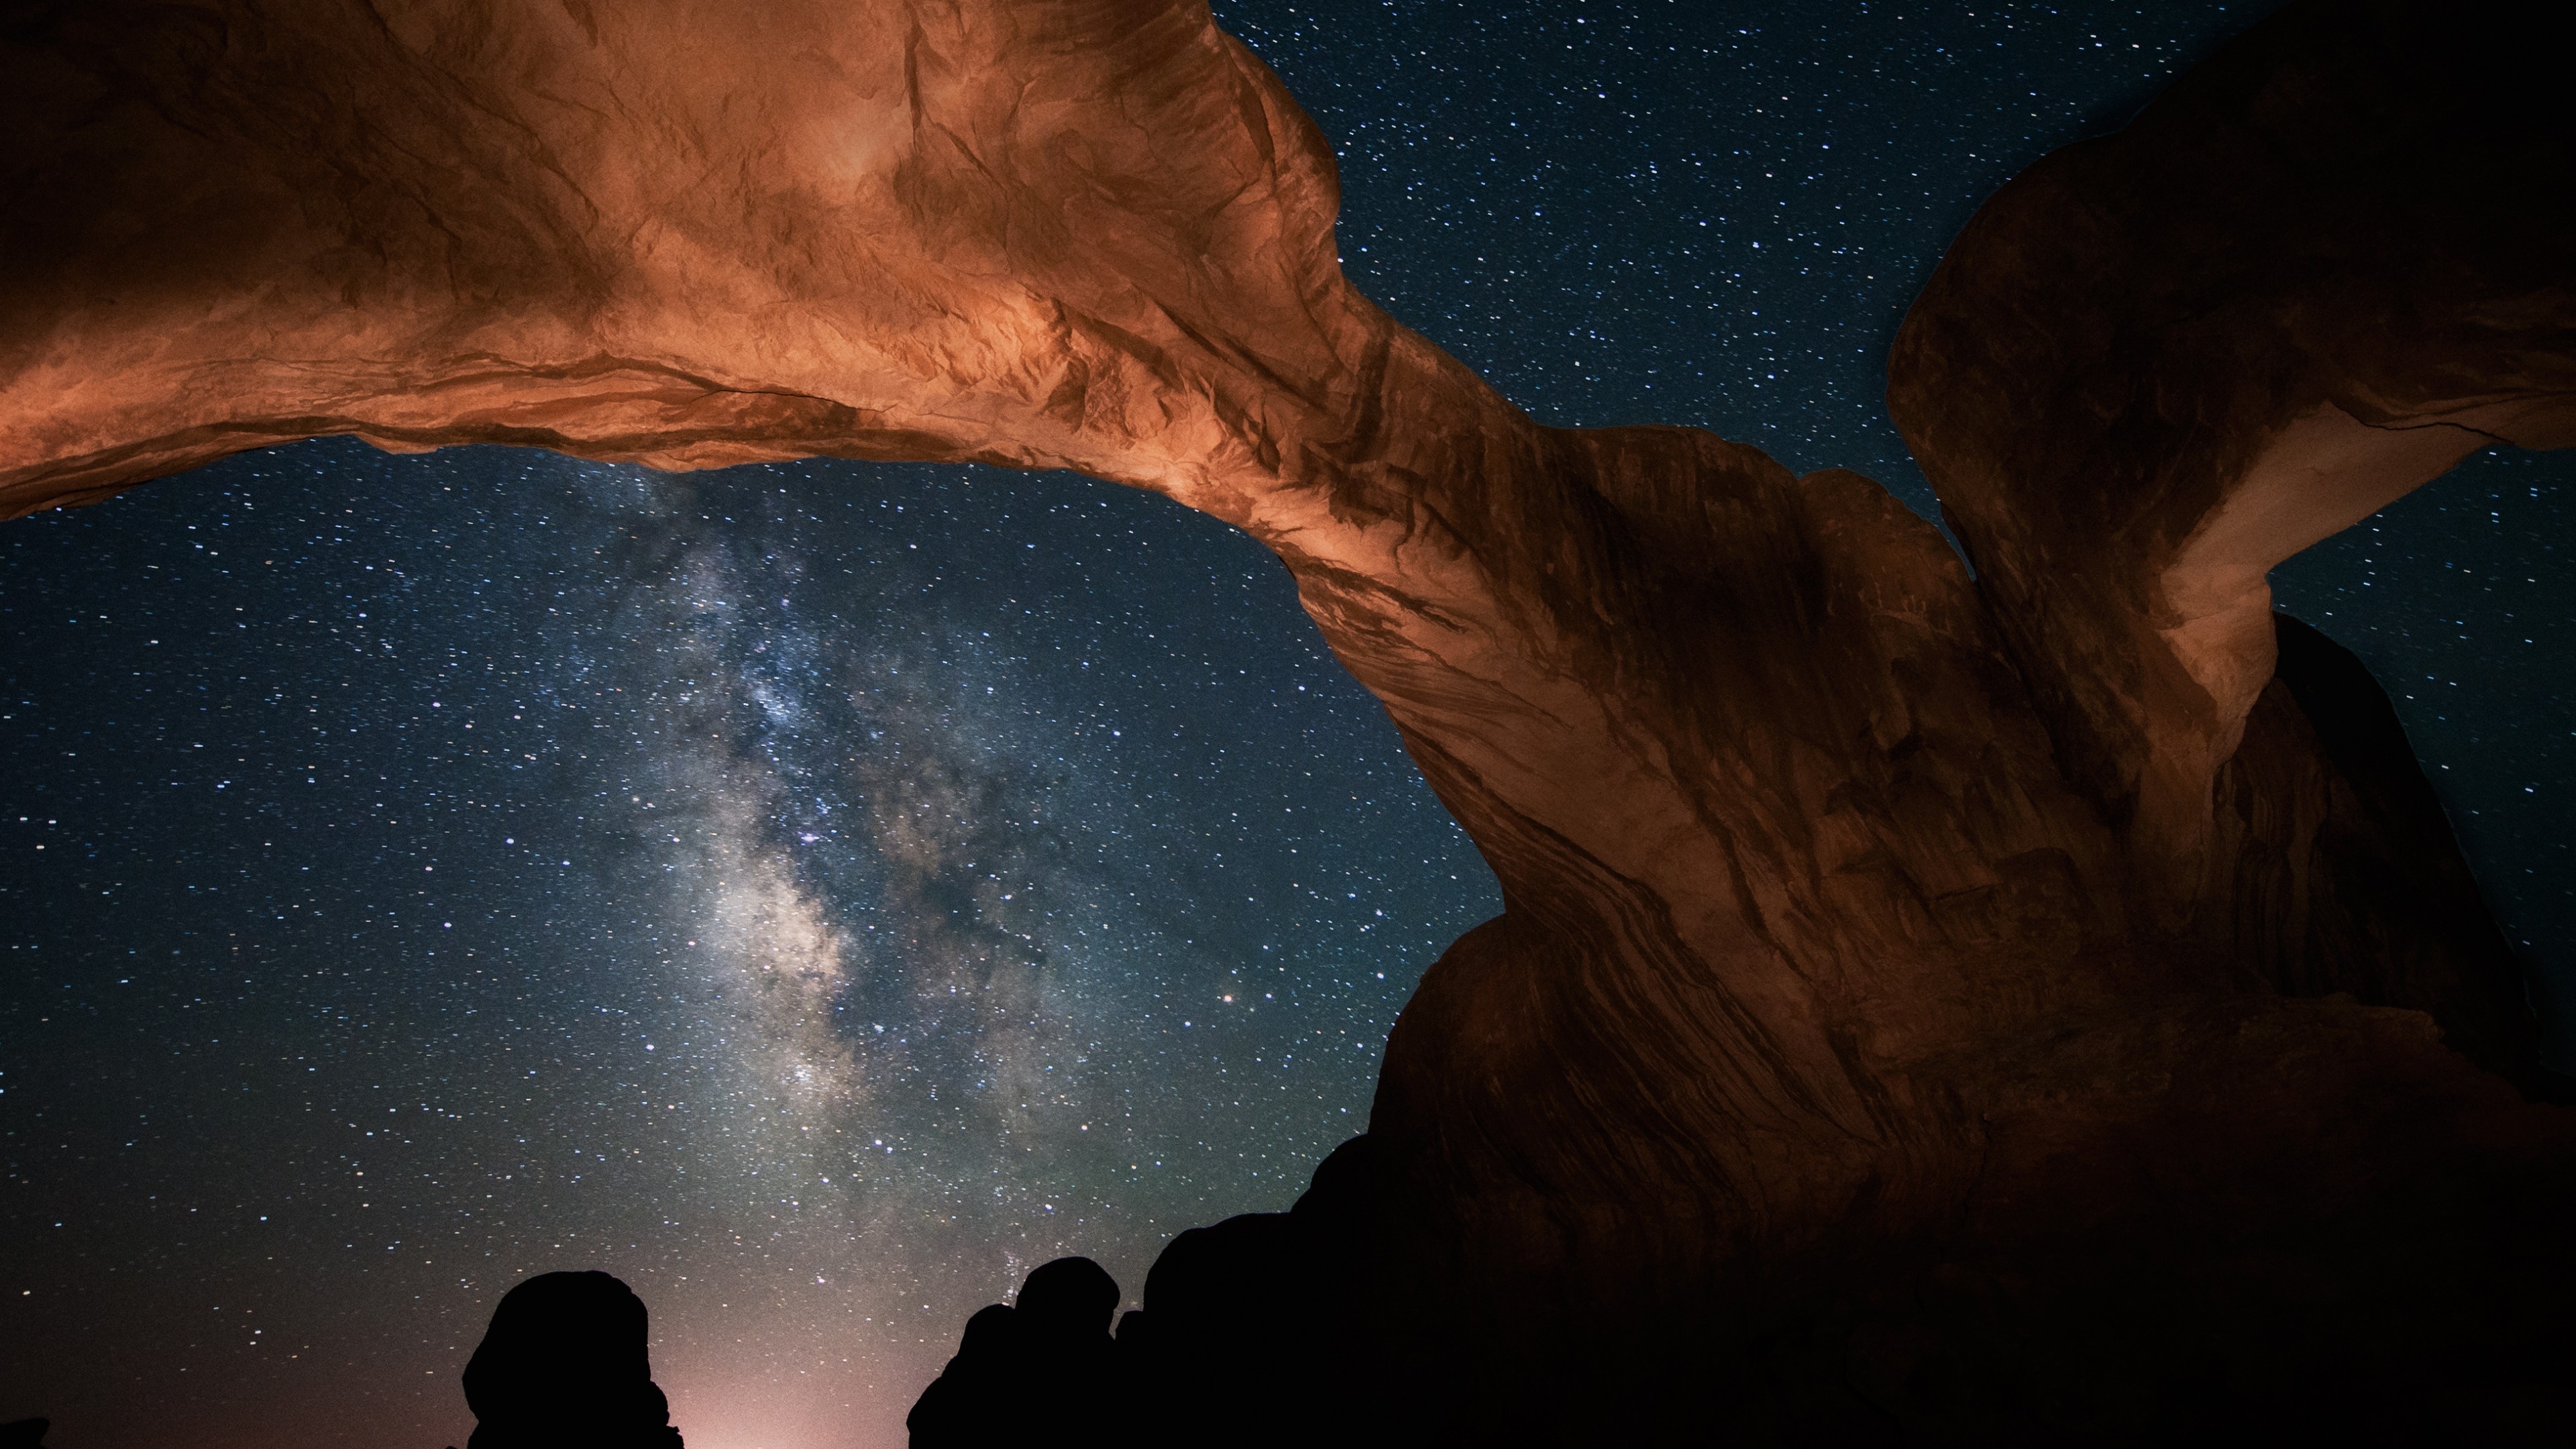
x,y
817,893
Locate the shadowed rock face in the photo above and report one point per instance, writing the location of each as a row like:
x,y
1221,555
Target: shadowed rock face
x,y
2323,268
1041,1370
565,1363
1861,919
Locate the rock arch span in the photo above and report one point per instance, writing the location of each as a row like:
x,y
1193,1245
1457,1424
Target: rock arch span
x,y
1854,904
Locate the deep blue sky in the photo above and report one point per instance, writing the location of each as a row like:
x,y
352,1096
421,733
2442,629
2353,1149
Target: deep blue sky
x,y
813,892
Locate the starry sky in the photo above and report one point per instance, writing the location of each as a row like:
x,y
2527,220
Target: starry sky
x,y
817,893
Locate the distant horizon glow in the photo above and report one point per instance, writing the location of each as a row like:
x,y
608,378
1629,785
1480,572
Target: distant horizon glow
x,y
682,876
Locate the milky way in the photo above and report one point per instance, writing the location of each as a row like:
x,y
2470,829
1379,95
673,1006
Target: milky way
x,y
817,893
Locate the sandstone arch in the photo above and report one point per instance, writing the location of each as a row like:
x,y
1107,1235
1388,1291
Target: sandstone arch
x,y
1849,900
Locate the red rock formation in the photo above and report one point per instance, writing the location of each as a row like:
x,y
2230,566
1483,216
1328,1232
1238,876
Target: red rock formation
x,y
1850,904
1662,682
2318,272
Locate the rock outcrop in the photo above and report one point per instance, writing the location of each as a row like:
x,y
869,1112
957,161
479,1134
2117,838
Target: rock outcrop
x,y
566,1361
2319,271
1254,1333
1961,969
1039,1370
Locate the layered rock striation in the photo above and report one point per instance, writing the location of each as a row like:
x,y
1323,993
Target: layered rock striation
x,y
1863,917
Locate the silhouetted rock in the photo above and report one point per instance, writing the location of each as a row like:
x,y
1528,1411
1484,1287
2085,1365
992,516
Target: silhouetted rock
x,y
24,1433
1245,1339
1043,1370
1220,1300
979,1398
566,1362
1068,1302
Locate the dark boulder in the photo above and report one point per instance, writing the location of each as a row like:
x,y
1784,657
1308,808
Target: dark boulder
x,y
565,1366
1044,1370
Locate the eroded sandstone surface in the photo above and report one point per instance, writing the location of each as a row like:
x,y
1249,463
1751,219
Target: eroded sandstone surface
x,y
2045,947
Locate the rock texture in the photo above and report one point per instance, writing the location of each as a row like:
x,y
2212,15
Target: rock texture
x,y
1869,929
